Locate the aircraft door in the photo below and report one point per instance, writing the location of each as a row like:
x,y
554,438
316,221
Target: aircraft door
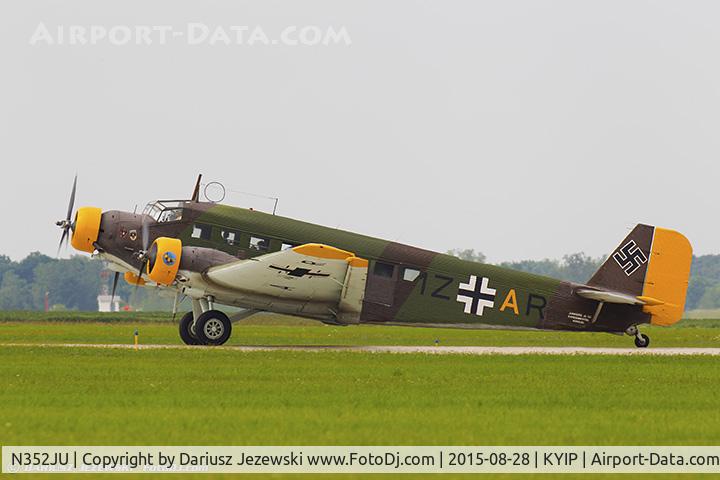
x,y
381,283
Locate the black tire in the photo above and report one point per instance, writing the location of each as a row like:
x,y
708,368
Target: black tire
x,y
213,328
643,341
186,333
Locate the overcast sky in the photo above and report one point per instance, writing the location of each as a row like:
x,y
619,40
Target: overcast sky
x,y
523,129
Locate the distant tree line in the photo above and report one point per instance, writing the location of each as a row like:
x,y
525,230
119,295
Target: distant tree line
x,y
576,267
72,284
75,283
704,289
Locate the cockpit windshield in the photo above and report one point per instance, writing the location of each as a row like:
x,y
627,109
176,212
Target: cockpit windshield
x,y
165,211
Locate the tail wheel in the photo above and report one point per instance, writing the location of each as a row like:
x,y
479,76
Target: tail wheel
x,y
213,328
642,341
186,330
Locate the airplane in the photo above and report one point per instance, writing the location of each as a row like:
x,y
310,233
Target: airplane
x,y
222,255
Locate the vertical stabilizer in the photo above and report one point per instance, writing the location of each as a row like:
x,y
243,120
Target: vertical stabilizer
x,y
652,264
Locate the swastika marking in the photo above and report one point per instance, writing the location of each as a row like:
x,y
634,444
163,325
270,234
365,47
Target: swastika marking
x,y
630,257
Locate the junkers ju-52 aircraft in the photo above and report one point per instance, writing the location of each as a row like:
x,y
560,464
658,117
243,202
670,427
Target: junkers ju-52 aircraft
x,y
221,255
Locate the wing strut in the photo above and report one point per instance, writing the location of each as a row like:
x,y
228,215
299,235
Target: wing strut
x,y
599,308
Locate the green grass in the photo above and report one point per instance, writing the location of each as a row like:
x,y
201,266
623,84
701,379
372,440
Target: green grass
x,y
698,322
220,397
341,398
223,397
272,329
703,313
277,331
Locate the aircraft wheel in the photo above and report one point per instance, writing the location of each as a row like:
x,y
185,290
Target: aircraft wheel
x,y
642,341
186,333
213,328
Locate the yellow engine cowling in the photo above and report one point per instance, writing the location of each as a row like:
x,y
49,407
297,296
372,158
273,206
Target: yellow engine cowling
x,y
86,229
164,263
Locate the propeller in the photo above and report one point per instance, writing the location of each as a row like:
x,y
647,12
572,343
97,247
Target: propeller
x,y
142,255
114,288
66,224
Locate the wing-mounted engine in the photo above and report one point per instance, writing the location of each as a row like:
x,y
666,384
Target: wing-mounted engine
x,y
200,259
167,257
164,257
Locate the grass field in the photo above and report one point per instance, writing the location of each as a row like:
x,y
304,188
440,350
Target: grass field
x,y
220,397
282,330
706,313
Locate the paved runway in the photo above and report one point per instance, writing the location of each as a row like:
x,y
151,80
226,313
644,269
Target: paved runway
x,y
440,350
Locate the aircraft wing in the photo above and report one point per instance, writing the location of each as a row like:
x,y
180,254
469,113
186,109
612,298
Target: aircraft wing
x,y
311,272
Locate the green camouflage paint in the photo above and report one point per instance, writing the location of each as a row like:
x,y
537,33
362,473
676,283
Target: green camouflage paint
x,y
518,299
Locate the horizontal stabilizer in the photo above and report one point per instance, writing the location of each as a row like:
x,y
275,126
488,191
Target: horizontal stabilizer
x,y
615,297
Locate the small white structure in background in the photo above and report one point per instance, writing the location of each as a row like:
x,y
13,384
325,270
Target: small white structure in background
x,y
107,304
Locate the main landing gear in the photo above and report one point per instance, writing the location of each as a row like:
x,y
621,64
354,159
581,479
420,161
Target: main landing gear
x,y
205,325
641,340
212,327
187,329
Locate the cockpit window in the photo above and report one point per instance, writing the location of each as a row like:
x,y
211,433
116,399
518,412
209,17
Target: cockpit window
x,y
164,211
153,210
170,215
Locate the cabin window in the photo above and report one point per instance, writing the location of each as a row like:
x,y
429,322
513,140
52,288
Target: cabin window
x,y
260,244
231,237
410,274
287,246
201,231
384,270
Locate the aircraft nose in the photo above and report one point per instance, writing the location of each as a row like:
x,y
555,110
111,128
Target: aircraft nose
x,y
86,229
124,234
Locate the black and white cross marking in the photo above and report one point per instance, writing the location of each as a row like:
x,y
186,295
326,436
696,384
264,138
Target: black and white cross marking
x,y
476,295
630,257
298,272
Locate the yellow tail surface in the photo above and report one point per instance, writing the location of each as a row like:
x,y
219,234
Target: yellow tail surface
x,y
668,274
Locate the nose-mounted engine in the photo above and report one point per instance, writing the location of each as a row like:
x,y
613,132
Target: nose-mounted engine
x,y
85,226
86,229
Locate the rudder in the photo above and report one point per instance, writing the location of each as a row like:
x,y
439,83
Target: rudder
x,y
667,277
